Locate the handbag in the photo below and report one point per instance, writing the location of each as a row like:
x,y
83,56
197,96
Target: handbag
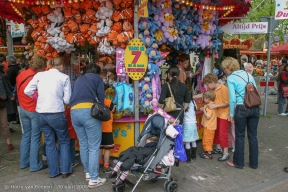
x,y
98,110
170,102
285,91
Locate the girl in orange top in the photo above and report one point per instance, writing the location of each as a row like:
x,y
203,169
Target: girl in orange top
x,y
107,141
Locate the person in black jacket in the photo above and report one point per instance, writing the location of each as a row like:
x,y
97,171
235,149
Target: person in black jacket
x,y
133,155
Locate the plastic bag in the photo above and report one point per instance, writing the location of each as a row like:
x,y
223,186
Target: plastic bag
x,y
179,151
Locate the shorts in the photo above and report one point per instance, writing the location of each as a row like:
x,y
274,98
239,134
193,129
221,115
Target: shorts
x,y
190,132
107,141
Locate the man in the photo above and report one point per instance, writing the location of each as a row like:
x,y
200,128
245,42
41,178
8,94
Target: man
x,y
282,64
244,64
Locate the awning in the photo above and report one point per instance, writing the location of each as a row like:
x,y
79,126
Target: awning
x,y
241,7
283,49
7,12
248,52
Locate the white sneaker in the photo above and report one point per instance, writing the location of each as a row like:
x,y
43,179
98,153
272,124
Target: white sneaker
x,y
282,114
44,158
96,183
87,176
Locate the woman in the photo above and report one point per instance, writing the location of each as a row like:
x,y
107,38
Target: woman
x,y
88,129
31,138
283,82
5,94
179,91
243,116
54,90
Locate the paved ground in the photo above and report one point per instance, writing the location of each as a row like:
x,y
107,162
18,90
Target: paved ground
x,y
200,175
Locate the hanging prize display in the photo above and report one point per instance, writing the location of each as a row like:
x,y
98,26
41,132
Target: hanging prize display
x,y
136,60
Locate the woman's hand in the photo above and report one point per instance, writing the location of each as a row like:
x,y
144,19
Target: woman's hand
x,y
212,106
12,98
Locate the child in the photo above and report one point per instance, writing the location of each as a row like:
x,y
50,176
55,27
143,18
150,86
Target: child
x,y
133,155
209,121
190,130
107,142
222,106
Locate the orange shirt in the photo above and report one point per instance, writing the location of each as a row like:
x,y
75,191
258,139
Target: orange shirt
x,y
222,96
25,101
107,125
210,124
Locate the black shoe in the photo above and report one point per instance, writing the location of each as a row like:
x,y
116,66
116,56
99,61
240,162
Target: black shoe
x,y
112,174
188,155
217,151
118,183
193,152
65,175
276,102
11,130
286,169
16,122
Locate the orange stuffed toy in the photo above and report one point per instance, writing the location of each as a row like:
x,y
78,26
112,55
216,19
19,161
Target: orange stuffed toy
x,y
67,14
92,40
76,15
93,29
67,6
89,16
33,23
45,9
84,30
128,13
86,4
37,10
117,27
127,26
42,21
73,26
65,28
126,3
96,5
117,4
117,16
35,35
71,38
112,37
75,5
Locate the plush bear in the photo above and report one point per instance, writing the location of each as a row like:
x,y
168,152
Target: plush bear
x,y
27,38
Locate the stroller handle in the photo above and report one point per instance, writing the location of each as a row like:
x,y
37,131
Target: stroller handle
x,y
181,111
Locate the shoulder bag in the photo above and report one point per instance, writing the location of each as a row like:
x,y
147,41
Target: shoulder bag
x,y
98,110
251,96
170,102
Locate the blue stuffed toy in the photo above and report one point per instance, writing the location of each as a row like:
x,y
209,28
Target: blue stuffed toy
x,y
153,69
153,53
146,38
215,45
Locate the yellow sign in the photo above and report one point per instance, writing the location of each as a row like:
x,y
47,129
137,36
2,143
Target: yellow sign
x,y
123,136
136,60
143,10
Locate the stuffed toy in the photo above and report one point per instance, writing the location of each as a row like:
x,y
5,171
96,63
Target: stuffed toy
x,y
33,23
84,30
75,5
127,26
183,11
71,38
29,52
121,73
45,9
153,69
80,40
104,27
165,19
176,9
153,53
93,29
67,15
76,15
105,47
119,93
86,4
158,35
73,26
42,21
128,98
126,3
144,81
105,10
89,16
93,40
117,26
111,77
112,37
203,41
128,13
124,37
117,4
27,38
37,10
170,33
96,5
146,38
60,45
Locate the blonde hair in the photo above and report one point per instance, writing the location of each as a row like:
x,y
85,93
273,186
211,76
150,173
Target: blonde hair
x,y
210,78
38,62
209,95
231,64
56,62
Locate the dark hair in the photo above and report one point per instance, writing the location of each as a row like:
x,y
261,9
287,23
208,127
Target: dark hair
x,y
174,71
92,68
244,59
284,60
183,57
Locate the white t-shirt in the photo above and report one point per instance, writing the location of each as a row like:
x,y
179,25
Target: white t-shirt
x,y
190,116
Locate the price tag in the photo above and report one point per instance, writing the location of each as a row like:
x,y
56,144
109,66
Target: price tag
x,y
135,59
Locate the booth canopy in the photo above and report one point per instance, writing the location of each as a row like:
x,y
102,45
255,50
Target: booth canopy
x,y
7,12
283,49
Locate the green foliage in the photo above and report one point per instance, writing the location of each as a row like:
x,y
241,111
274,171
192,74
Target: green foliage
x,y
265,9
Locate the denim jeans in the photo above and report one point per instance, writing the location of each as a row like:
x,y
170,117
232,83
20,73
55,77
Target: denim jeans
x,y
281,103
51,124
243,117
72,150
30,142
89,133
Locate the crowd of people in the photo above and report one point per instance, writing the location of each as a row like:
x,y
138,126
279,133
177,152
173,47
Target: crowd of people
x,y
56,102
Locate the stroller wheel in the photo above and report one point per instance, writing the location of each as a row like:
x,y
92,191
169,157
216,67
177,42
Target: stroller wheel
x,y
172,186
120,188
166,184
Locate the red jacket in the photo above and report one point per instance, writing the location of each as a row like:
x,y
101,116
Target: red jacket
x,y
283,79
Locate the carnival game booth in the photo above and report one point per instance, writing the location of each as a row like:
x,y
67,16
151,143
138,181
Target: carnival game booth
x,y
103,31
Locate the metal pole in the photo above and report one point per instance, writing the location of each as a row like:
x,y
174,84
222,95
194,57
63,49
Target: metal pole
x,y
9,41
268,65
136,89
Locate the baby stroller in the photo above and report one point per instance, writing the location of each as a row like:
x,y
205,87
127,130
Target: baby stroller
x,y
154,169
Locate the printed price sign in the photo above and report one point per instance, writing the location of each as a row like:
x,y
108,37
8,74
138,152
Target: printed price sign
x,y
136,60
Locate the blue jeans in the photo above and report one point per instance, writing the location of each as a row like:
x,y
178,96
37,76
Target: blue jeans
x,y
51,124
281,103
72,150
89,133
30,142
243,117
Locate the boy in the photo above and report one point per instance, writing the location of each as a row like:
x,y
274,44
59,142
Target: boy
x,y
221,104
130,156
107,141
209,120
